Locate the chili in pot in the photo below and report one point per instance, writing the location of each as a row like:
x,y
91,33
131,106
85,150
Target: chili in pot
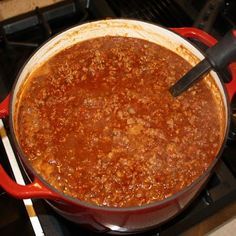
x,y
98,123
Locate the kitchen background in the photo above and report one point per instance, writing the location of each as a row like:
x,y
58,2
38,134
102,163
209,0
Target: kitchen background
x,y
10,8
25,24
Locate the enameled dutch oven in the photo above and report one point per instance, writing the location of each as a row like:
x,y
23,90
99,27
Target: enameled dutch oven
x,y
108,219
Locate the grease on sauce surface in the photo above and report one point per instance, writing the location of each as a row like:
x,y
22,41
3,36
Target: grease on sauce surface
x,y
98,123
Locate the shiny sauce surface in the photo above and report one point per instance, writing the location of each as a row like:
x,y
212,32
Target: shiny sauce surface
x,y
98,123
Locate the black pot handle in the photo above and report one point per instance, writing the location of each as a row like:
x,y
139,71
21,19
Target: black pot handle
x,y
217,57
223,53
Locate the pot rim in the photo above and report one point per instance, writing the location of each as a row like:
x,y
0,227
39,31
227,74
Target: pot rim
x,y
85,204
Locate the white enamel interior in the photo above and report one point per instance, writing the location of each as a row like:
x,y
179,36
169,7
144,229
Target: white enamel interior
x,y
117,27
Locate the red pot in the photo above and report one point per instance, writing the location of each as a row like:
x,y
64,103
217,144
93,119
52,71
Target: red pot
x,y
108,219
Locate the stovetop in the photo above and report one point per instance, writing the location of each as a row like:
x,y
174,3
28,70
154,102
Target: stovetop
x,y
22,35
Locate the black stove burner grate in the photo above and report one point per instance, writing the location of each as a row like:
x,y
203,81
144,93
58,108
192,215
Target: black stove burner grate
x,y
165,12
20,36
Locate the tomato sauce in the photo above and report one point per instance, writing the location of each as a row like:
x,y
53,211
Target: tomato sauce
x,y
98,123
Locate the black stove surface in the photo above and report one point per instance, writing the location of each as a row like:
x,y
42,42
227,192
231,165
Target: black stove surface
x,y
21,36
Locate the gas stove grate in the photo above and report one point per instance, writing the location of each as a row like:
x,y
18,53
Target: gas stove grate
x,y
21,35
165,12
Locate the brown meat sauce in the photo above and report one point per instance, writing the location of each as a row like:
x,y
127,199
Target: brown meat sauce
x,y
97,122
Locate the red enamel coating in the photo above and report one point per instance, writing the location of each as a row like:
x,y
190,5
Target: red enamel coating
x,y
194,33
231,87
209,41
106,219
35,189
4,107
234,33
